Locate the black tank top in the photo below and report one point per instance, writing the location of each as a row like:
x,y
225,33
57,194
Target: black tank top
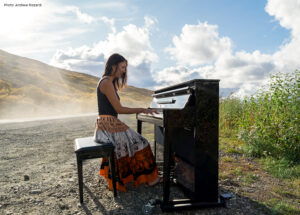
x,y
104,106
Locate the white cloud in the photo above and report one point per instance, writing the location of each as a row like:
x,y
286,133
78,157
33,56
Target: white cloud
x,y
287,13
17,21
114,5
32,31
27,31
110,22
199,51
286,59
175,75
82,17
82,59
115,8
242,68
198,44
132,42
209,56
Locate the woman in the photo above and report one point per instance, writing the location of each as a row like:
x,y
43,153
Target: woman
x,y
133,155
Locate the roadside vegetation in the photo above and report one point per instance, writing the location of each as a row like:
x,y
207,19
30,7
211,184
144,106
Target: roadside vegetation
x,y
264,127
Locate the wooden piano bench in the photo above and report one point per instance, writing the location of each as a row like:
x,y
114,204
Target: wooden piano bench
x,y
87,148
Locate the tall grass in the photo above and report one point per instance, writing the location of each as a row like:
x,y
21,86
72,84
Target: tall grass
x,y
267,122
230,112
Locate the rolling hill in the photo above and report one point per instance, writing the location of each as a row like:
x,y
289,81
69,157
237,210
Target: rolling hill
x,y
29,88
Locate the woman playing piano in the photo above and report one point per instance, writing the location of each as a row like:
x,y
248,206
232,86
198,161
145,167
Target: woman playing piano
x,y
135,161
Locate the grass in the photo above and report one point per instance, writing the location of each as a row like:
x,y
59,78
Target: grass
x,y
280,168
230,145
281,195
234,150
295,185
281,207
284,193
227,159
223,176
250,178
238,171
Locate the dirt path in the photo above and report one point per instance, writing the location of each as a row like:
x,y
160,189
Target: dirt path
x,y
38,175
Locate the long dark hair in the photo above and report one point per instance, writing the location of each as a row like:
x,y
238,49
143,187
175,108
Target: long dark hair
x,y
115,59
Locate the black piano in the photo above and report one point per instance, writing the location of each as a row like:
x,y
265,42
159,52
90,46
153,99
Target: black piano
x,y
188,128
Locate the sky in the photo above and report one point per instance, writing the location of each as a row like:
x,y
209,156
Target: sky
x,y
165,42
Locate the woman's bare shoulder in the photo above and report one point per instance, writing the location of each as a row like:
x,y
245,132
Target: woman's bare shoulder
x,y
105,84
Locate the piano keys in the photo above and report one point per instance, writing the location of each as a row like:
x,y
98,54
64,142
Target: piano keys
x,y
188,128
156,119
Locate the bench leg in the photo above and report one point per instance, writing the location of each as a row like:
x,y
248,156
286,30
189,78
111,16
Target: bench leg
x,y
80,183
113,174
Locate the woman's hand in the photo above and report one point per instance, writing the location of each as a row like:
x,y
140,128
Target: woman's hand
x,y
149,111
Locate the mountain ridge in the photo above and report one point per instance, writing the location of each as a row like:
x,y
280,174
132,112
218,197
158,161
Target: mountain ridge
x,y
30,88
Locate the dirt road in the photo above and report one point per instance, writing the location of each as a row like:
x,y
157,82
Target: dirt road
x,y
38,174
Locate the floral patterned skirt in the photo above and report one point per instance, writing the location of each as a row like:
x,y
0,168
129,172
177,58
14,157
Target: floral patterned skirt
x,y
133,156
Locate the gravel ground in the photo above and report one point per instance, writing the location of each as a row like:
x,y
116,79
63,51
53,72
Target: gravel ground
x,y
39,175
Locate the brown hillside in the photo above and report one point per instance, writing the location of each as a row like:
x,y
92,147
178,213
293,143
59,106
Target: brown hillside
x,y
29,88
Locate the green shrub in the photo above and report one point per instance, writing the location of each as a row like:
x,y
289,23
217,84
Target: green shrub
x,y
269,122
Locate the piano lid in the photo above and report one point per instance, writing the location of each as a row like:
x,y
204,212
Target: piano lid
x,y
184,84
176,92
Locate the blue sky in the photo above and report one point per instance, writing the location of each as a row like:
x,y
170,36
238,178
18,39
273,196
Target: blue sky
x,y
166,42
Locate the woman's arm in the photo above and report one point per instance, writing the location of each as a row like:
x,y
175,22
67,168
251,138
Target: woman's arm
x,y
107,89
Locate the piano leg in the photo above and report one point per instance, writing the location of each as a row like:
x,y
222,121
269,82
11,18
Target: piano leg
x,y
166,167
139,126
155,150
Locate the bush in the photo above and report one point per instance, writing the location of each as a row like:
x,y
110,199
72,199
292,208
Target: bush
x,y
269,123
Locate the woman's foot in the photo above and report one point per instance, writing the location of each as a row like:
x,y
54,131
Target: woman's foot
x,y
155,182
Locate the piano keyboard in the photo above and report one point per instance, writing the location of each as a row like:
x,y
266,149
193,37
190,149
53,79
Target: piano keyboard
x,y
154,115
151,118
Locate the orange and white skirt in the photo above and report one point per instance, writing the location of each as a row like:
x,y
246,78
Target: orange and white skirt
x,y
133,156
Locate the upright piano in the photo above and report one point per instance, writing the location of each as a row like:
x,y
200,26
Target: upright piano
x,y
188,126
